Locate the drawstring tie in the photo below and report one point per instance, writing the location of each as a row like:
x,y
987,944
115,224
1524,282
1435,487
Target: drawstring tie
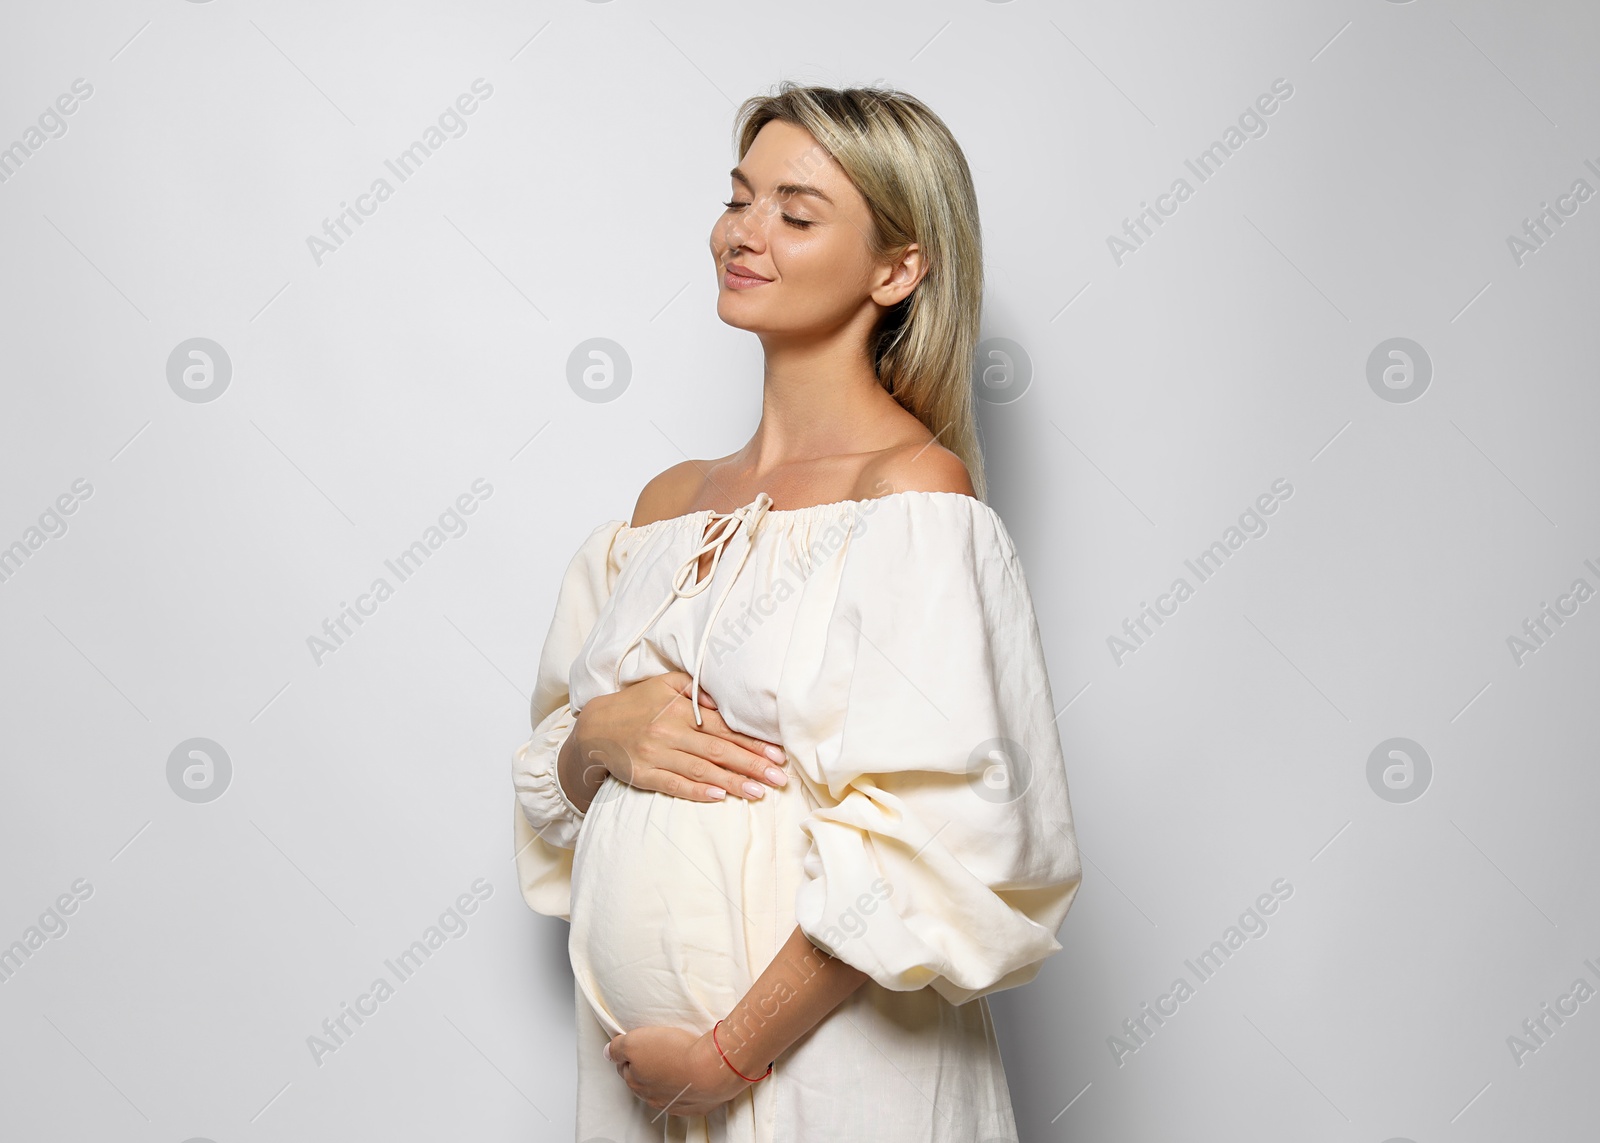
x,y
684,585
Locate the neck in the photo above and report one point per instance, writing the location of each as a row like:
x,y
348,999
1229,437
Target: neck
x,y
820,399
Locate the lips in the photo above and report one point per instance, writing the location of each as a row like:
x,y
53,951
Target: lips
x,y
744,272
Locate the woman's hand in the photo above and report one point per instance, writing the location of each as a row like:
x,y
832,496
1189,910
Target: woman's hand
x,y
645,735
673,1069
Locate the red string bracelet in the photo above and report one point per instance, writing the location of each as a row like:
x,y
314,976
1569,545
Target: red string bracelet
x,y
736,1071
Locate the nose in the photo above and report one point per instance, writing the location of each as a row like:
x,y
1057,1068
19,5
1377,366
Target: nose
x,y
747,230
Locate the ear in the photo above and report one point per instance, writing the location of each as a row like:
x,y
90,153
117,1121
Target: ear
x,y
900,276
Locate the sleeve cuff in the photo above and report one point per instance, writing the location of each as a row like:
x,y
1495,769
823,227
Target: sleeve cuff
x,y
544,803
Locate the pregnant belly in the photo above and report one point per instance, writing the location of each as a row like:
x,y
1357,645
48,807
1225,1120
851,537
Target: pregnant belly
x,y
677,906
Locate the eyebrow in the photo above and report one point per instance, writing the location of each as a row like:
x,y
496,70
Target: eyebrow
x,y
782,188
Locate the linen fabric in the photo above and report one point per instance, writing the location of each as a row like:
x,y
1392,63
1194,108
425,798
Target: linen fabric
x,y
925,835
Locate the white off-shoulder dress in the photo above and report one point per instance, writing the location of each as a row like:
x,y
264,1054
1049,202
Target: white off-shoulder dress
x,y
925,835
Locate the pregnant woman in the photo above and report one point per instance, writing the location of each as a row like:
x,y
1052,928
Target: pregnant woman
x,y
795,777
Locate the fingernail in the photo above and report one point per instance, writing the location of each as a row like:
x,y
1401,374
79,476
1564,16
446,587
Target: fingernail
x,y
716,791
775,754
755,789
606,1051
776,776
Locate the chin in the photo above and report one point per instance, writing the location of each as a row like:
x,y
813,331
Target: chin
x,y
739,317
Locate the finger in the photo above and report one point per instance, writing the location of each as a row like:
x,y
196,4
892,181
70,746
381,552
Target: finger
x,y
698,769
614,1051
707,756
730,756
760,747
678,786
702,774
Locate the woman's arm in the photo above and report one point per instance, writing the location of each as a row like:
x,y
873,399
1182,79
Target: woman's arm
x,y
580,778
801,986
685,1074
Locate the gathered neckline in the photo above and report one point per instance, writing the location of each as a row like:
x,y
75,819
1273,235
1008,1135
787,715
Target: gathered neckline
x,y
806,511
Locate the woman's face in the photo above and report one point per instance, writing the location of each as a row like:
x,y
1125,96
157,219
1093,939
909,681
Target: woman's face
x,y
800,227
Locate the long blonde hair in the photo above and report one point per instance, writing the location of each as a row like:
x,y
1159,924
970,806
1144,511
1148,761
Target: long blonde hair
x,y
918,188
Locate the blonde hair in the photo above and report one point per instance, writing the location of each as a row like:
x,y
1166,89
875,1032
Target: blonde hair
x,y
918,188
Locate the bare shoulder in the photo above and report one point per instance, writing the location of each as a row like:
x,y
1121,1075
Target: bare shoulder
x,y
669,493
919,467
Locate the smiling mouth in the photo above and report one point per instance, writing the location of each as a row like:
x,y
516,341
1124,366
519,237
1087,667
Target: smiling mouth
x,y
736,278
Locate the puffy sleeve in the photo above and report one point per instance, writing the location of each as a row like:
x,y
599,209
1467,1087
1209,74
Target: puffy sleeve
x,y
547,822
915,700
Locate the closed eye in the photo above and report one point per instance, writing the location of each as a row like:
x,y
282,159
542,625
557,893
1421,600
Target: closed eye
x,y
797,223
